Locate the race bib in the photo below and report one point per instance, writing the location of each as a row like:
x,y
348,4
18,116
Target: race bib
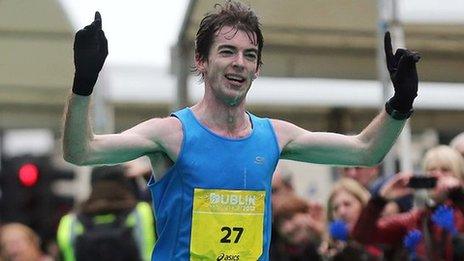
x,y
227,224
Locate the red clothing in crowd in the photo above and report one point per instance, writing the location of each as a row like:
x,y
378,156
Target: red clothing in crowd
x,y
391,230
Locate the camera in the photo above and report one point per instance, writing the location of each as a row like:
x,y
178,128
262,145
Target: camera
x,y
422,182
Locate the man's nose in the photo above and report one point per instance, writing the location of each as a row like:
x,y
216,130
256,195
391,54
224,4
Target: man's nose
x,y
350,172
239,61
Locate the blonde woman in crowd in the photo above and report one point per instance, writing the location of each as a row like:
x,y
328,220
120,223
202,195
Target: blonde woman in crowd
x,y
346,201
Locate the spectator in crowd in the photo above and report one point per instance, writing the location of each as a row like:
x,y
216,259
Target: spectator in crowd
x,y
110,224
345,203
18,242
371,179
366,176
457,143
281,185
299,225
436,226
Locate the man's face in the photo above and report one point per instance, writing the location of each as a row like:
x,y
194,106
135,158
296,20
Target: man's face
x,y
232,65
361,174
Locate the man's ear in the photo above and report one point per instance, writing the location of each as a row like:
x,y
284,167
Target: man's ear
x,y
200,64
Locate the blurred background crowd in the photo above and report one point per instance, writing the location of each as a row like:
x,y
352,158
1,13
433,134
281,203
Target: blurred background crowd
x,y
322,70
373,216
368,215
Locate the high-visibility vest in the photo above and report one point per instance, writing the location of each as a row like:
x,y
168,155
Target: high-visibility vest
x,y
140,219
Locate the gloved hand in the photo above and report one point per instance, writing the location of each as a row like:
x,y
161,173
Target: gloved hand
x,y
90,51
403,74
339,230
412,239
410,242
444,218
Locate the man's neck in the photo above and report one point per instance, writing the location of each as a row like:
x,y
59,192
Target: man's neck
x,y
222,119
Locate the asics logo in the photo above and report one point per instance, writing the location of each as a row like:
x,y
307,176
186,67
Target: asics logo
x,y
223,256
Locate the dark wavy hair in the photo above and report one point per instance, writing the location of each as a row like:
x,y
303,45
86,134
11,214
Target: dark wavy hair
x,y
233,14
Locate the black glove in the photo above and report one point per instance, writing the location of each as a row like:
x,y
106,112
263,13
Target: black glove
x,y
403,74
90,51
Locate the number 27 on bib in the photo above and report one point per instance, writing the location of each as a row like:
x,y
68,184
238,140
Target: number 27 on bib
x,y
227,224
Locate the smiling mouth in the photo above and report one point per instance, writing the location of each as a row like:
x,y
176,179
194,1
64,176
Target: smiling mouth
x,y
234,78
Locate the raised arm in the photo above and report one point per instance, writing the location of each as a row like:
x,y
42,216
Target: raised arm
x,y
372,144
366,149
80,145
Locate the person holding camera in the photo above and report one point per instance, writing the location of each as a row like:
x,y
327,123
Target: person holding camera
x,y
431,232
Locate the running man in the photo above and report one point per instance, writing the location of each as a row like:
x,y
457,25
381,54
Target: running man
x,y
213,201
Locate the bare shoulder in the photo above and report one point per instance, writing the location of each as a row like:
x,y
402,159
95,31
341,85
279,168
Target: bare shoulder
x,y
167,124
170,131
166,132
156,128
285,131
284,127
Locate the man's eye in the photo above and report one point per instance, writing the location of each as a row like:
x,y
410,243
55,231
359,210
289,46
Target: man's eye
x,y
251,56
226,52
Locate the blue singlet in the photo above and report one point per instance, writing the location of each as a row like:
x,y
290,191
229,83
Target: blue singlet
x,y
209,162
